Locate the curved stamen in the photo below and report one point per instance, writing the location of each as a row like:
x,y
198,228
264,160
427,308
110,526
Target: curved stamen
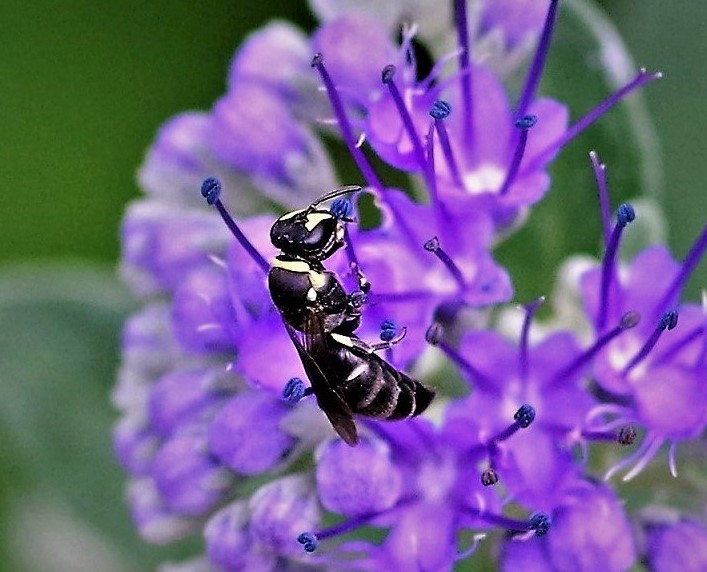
x,y
626,435
344,125
539,523
211,191
691,260
641,456
628,321
600,177
432,245
388,78
478,377
640,80
672,464
624,215
443,222
523,360
439,112
462,27
523,418
667,322
464,554
536,69
524,125
310,540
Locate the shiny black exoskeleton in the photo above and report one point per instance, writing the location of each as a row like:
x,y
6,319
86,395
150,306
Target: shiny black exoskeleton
x,y
298,282
346,375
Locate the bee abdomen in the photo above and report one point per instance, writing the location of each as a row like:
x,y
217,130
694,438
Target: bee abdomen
x,y
413,399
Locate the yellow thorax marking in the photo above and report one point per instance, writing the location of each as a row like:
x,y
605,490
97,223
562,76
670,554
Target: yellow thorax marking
x,y
313,219
317,279
299,266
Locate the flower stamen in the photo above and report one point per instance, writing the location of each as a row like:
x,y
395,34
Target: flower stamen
x,y
523,124
668,321
600,177
211,191
624,215
344,125
536,68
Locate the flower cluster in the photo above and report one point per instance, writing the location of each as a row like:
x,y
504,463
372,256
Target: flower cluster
x,y
218,432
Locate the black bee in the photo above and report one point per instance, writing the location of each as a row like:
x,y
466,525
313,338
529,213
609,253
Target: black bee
x,y
298,282
346,374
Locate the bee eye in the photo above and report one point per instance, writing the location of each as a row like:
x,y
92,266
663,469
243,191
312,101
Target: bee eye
x,y
318,236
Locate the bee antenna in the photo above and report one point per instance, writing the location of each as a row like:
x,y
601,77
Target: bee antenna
x,y
333,194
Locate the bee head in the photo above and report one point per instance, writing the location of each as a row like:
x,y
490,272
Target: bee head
x,y
312,234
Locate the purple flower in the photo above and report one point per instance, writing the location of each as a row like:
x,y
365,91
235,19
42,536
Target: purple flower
x,y
680,545
589,532
218,430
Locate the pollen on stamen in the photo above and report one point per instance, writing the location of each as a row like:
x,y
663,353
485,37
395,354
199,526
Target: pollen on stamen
x,y
626,435
308,541
433,335
526,122
211,190
388,330
625,214
440,109
341,208
540,523
388,74
525,416
489,477
295,389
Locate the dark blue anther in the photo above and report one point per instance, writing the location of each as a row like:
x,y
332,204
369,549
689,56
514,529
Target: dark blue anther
x,y
668,320
341,208
629,320
625,214
626,435
357,299
526,122
434,334
432,245
540,523
489,477
388,330
388,73
211,190
524,416
440,109
294,390
317,59
308,541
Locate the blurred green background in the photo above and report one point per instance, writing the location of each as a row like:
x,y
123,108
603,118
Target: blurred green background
x,y
84,87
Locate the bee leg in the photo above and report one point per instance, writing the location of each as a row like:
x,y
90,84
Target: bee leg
x,y
363,347
363,284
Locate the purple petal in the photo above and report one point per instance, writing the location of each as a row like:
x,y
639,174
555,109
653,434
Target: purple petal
x,y
246,434
183,398
672,401
254,131
355,50
357,481
281,510
277,54
187,477
134,444
592,534
517,19
202,312
155,522
681,546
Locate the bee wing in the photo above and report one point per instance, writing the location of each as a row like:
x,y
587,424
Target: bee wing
x,y
334,407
